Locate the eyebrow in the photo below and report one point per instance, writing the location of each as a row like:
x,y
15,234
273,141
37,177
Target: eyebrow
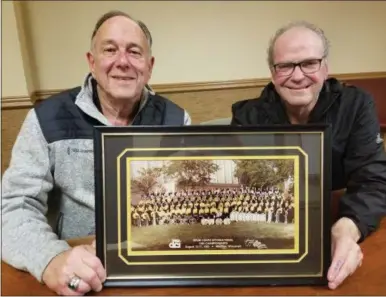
x,y
130,45
300,61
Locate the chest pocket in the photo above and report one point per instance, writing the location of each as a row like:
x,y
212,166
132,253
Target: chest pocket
x,y
74,166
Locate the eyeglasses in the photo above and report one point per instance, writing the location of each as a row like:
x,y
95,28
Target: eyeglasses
x,y
307,67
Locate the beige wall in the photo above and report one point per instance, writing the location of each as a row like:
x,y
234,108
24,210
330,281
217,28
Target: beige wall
x,y
14,82
193,41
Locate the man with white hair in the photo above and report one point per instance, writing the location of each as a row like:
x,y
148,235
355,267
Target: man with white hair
x,y
300,93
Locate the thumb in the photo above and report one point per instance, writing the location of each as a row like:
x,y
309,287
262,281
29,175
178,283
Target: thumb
x,y
93,244
338,259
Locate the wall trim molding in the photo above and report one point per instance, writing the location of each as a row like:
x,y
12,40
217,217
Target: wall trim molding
x,y
245,83
14,102
25,101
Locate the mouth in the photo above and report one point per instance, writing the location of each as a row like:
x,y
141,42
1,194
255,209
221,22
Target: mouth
x,y
299,88
123,78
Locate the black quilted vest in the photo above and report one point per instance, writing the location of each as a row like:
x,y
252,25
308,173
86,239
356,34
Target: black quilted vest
x,y
60,118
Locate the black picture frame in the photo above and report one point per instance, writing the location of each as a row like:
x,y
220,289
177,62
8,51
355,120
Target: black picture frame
x,y
114,147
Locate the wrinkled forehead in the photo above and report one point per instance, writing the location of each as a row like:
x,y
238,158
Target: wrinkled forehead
x,y
297,44
120,30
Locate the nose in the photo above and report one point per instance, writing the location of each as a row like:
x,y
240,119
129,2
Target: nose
x,y
123,59
297,74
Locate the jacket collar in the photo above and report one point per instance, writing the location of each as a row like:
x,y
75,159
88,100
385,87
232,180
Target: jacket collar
x,y
275,108
88,101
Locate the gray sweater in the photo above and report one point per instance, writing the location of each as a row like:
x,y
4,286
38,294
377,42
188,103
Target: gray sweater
x,y
48,192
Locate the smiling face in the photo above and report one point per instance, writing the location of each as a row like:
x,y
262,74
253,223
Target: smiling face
x,y
299,45
120,59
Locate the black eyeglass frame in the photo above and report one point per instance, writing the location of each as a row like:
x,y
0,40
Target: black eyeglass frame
x,y
299,64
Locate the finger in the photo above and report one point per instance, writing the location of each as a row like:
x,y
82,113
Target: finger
x,y
65,279
93,244
88,275
84,271
94,263
336,266
338,260
82,289
347,269
68,292
359,261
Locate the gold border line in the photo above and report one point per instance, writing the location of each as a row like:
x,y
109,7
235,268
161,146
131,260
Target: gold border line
x,y
209,148
295,250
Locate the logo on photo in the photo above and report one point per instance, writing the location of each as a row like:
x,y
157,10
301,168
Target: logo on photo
x,y
175,244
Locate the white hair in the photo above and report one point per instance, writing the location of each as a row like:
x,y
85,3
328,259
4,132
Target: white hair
x,y
298,24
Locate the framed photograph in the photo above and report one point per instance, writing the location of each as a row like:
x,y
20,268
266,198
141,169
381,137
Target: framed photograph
x,y
213,205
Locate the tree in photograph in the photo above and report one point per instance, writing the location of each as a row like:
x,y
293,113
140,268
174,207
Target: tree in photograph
x,y
148,180
285,168
191,173
263,173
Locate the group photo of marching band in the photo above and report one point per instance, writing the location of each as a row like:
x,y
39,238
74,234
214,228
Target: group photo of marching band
x,y
186,197
213,206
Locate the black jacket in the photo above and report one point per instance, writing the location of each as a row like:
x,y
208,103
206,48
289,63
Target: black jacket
x,y
359,159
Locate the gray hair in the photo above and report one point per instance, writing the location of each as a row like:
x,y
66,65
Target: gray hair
x,y
298,24
115,13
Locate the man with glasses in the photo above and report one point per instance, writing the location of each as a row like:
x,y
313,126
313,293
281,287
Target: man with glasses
x,y
302,93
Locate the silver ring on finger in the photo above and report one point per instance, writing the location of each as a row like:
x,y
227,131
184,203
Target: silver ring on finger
x,y
74,282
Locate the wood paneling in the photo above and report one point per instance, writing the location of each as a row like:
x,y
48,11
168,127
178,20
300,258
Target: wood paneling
x,y
16,102
377,88
204,100
11,121
211,104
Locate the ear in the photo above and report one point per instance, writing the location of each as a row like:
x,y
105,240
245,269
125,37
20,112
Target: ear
x,y
326,69
151,65
272,71
91,62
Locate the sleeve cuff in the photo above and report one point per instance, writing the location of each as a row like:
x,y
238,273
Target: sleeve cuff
x,y
363,230
42,259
